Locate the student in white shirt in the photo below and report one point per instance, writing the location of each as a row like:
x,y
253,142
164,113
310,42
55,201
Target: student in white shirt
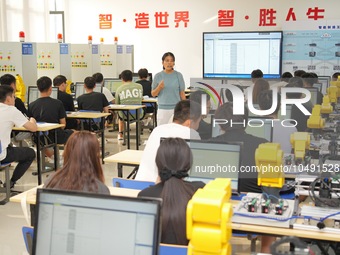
x,y
10,116
187,116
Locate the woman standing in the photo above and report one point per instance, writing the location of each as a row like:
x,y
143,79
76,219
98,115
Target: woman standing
x,y
169,86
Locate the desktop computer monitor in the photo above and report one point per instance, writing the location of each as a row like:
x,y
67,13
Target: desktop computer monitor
x,y
34,94
324,80
70,222
112,84
288,112
80,89
135,77
314,95
260,127
215,160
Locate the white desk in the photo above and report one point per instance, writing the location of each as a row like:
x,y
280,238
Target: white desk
x,y
125,158
125,109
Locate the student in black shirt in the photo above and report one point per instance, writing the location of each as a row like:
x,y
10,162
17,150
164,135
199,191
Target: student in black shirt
x,y
143,75
236,133
67,100
8,79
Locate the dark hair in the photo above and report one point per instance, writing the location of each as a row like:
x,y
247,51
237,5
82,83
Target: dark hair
x,y
98,77
225,111
7,79
286,76
186,110
309,79
167,54
58,80
143,73
5,91
82,166
229,95
293,95
89,82
335,76
126,75
265,100
296,82
197,96
257,73
44,83
259,85
174,159
299,73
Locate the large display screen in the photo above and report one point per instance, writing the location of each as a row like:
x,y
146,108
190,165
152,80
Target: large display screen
x,y
234,55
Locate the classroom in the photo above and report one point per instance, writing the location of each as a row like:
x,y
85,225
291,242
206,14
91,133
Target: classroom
x,y
208,127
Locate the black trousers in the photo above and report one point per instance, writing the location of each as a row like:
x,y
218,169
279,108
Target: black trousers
x,y
23,155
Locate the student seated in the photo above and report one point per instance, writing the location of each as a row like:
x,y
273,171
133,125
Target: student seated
x,y
60,82
234,131
47,109
91,100
204,128
10,116
128,93
281,134
99,79
173,160
186,119
82,169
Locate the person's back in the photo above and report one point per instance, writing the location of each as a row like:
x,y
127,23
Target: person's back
x,y
129,93
82,170
236,133
185,115
92,101
173,160
281,134
47,109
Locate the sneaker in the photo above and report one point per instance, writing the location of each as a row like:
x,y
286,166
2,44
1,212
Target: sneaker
x,y
120,136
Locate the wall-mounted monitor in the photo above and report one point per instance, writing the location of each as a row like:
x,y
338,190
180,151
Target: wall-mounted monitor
x,y
234,55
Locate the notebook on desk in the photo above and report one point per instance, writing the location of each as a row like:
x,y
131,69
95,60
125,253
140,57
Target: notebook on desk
x,y
85,223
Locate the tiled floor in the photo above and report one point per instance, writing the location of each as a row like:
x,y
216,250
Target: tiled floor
x,y
11,214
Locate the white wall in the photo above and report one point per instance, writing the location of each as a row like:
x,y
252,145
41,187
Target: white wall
x,y
82,19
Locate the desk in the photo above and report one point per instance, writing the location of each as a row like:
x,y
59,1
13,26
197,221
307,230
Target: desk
x,y
248,228
125,158
31,195
154,102
125,109
43,128
89,116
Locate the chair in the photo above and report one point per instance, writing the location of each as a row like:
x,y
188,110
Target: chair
x,y
7,189
131,184
167,249
27,233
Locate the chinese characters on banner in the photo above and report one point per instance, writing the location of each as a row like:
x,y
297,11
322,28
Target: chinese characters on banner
x,y
162,19
105,21
267,17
